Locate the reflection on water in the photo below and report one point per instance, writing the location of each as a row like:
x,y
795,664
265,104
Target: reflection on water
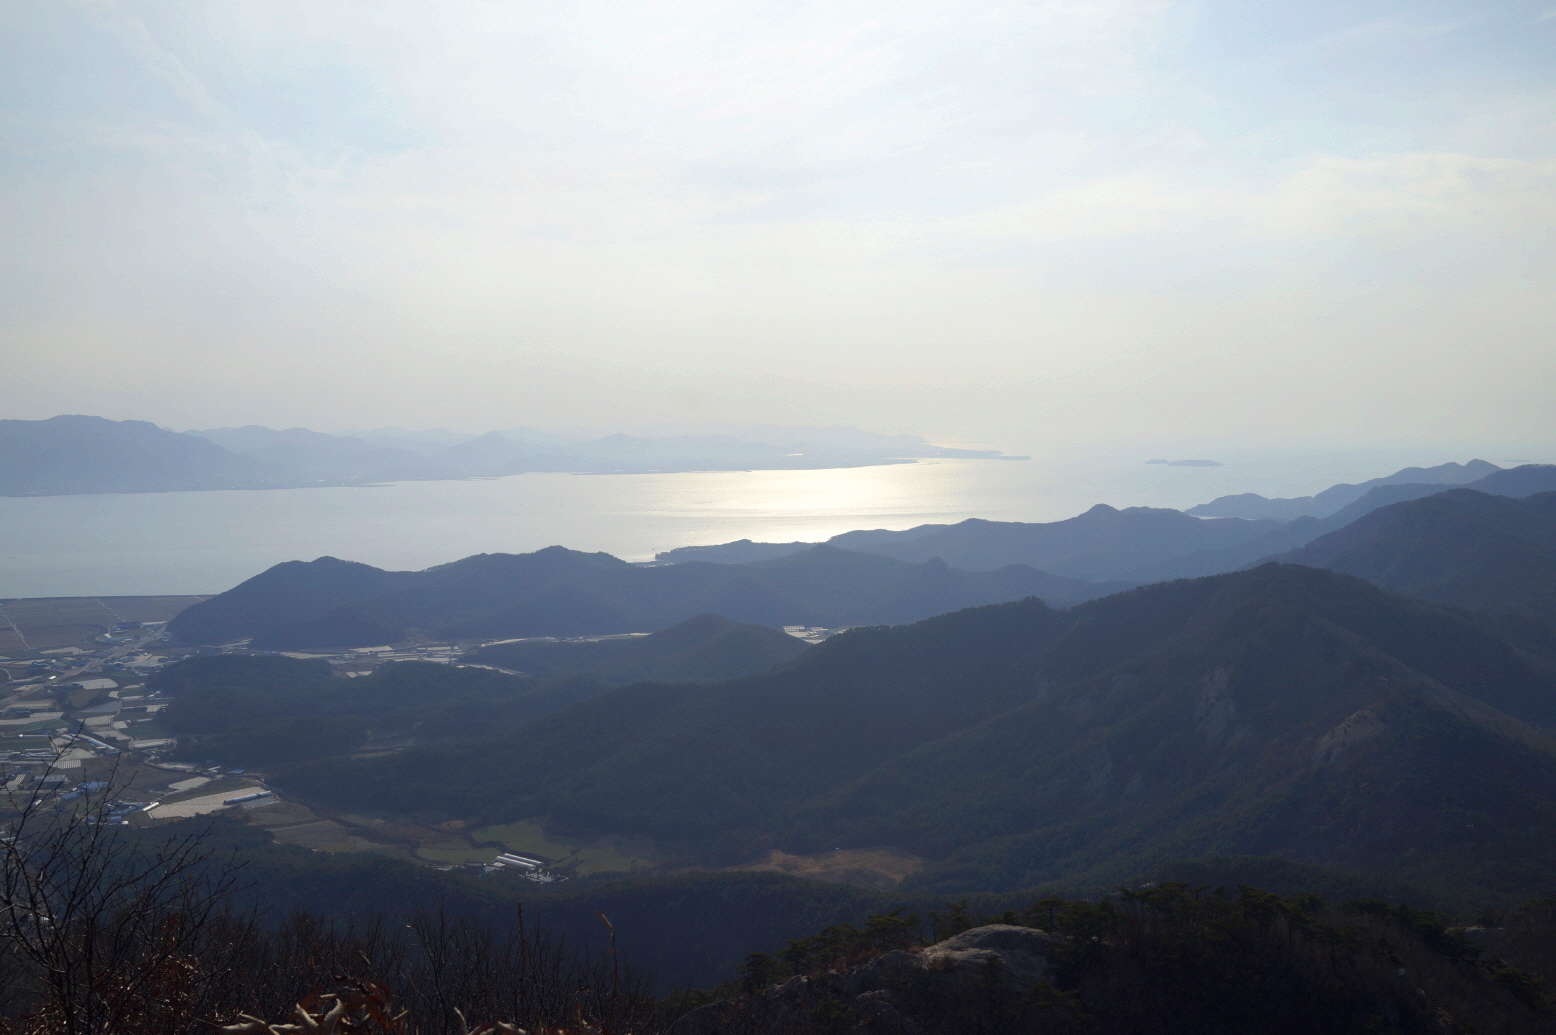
x,y
204,542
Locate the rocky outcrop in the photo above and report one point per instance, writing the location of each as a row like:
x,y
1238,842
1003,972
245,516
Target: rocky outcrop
x,y
899,993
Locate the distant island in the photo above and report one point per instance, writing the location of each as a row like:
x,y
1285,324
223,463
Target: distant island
x,y
74,454
1186,463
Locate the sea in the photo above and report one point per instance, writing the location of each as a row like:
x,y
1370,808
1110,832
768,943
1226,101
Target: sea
x,y
206,542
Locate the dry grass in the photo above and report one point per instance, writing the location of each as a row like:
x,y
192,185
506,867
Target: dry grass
x,y
875,869
281,814
368,1009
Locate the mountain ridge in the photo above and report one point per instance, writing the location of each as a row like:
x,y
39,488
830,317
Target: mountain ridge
x,y
1102,543
78,454
1135,544
75,454
1013,744
560,592
1462,547
1325,503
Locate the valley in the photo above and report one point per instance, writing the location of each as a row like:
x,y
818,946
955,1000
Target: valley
x,y
741,518
564,727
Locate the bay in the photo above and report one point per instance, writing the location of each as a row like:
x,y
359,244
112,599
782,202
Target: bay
x,y
205,542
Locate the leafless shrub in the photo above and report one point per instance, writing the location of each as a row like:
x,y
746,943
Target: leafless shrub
x,y
108,929
103,924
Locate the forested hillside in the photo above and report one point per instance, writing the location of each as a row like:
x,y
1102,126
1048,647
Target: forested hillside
x,y
1281,711
262,710
1460,547
559,592
705,649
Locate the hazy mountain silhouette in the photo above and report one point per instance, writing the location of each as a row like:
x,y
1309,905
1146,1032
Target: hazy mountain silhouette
x,y
1253,506
1280,711
81,454
1278,543
1135,545
315,455
1103,543
392,453
559,592
1459,547
1515,482
78,454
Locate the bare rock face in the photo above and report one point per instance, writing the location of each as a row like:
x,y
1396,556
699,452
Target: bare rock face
x,y
893,994
1022,951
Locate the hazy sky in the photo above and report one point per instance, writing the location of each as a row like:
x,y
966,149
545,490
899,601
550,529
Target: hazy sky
x,y
1249,221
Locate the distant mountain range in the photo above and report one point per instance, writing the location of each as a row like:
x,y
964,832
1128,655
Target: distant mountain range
x,y
81,454
1280,711
396,455
1136,544
1253,506
74,454
1377,707
1458,547
1102,543
558,592
857,578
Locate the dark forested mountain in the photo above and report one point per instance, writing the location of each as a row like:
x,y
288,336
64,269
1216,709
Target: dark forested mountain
x,y
704,649
1276,712
1459,547
262,710
558,592
695,761
1251,505
1280,711
77,454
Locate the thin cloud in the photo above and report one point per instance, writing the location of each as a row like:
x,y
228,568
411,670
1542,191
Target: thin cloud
x,y
839,211
1387,30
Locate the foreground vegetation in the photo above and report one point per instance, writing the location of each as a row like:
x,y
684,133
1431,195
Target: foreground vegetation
x,y
1281,711
1164,959
168,930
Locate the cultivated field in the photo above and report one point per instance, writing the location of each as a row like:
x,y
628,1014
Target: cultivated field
x,y
41,623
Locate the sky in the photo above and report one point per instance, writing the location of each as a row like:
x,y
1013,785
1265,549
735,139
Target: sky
x,y
1197,225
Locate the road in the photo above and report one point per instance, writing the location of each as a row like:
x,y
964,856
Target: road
x,y
95,665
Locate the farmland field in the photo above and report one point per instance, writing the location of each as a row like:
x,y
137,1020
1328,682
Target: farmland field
x,y
42,623
528,837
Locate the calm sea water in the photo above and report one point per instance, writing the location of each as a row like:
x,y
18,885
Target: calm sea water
x,y
204,542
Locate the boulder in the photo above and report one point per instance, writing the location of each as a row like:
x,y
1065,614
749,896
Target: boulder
x,y
1023,952
888,994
